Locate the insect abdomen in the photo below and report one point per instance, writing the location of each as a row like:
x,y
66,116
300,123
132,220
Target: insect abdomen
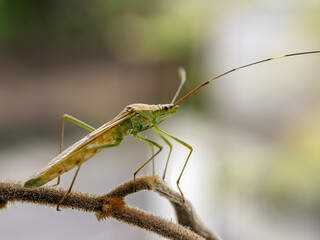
x,y
67,163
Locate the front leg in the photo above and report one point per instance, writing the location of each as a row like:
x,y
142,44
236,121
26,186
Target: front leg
x,y
185,163
152,144
155,129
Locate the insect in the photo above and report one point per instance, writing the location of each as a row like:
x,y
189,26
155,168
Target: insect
x,y
134,119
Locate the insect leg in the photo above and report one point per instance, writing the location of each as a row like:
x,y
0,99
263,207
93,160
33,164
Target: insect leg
x,y
170,146
184,166
153,162
58,182
150,143
115,143
76,121
70,188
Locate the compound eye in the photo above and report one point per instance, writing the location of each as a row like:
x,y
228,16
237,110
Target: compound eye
x,y
129,109
166,108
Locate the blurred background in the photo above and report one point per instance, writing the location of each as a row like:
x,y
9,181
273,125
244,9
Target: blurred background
x,y
254,173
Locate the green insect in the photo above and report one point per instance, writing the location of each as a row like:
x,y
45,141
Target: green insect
x,y
134,119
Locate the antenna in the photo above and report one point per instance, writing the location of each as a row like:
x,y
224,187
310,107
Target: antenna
x,y
182,75
238,68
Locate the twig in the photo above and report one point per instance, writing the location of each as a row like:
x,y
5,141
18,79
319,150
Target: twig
x,y
113,205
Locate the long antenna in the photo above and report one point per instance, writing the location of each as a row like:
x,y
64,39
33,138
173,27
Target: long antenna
x,y
238,68
182,75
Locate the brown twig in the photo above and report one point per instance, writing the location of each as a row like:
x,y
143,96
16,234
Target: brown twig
x,y
113,205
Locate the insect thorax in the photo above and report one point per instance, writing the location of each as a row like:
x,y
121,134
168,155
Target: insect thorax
x,y
149,115
141,122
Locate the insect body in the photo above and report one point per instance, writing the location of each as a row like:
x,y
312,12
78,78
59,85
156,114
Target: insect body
x,y
132,120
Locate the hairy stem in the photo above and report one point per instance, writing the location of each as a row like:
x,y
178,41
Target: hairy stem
x,y
113,205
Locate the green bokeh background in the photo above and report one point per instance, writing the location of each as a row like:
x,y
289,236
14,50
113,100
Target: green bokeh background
x,y
255,169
